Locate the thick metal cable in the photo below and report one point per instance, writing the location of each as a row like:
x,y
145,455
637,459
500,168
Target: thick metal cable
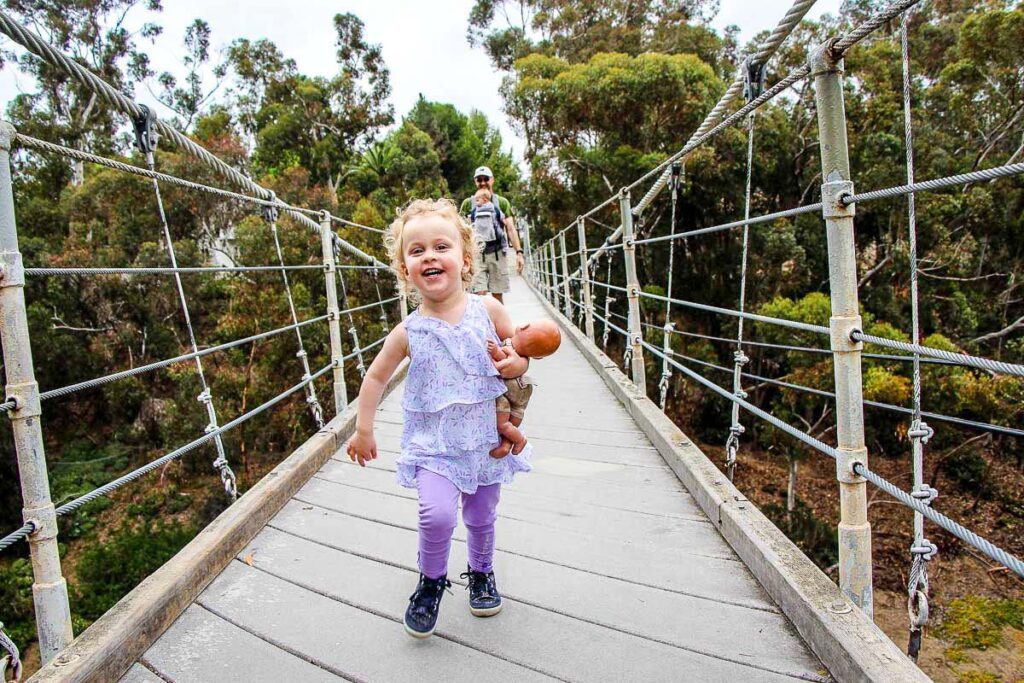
x,y
983,426
736,430
380,297
785,26
159,462
666,369
15,657
608,299
227,476
68,272
995,366
311,399
360,365
965,535
71,153
120,102
357,225
7,405
766,218
936,184
921,550
88,384
839,48
804,349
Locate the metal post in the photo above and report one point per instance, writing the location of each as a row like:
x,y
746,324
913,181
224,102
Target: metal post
x,y
554,274
566,292
588,303
854,529
633,289
49,589
542,271
334,316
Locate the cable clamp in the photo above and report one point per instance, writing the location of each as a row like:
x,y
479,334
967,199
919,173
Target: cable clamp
x,y
146,136
12,272
12,658
847,460
739,393
270,211
832,196
301,353
205,396
753,79
925,493
920,430
26,400
927,550
740,358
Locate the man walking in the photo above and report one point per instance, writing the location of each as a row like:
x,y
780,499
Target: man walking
x,y
492,274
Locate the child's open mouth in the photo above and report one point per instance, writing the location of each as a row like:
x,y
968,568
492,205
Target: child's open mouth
x,y
432,272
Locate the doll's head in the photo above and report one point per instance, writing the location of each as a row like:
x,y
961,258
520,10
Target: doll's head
x,y
537,339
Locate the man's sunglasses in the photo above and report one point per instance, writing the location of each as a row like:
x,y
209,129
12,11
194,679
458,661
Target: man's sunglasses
x,y
481,179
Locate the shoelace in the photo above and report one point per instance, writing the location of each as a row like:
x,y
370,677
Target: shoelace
x,y
428,593
473,581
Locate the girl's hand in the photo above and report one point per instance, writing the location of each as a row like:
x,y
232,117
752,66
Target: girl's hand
x,y
362,448
513,365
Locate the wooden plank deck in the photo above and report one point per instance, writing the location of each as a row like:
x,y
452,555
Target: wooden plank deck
x,y
610,571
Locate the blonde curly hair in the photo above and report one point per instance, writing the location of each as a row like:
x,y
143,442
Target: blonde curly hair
x,y
445,208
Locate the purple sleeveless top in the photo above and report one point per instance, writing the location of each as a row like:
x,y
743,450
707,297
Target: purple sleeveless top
x,y
448,403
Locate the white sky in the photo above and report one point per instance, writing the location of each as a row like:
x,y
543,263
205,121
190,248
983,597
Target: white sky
x,y
424,44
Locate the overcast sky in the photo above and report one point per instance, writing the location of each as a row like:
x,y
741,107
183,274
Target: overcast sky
x,y
424,43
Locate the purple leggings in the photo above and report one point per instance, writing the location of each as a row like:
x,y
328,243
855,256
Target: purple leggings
x,y
439,504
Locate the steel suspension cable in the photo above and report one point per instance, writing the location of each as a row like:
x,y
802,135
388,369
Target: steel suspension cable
x,y
314,404
666,369
608,299
953,527
736,430
136,112
13,657
101,491
227,476
921,549
70,272
360,365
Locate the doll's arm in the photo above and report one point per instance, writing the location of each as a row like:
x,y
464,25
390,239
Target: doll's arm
x,y
513,365
496,351
363,447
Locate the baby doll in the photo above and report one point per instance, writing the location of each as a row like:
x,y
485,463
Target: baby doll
x,y
532,340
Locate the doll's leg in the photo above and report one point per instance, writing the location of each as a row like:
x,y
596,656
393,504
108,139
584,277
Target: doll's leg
x,y
479,511
505,446
439,502
517,444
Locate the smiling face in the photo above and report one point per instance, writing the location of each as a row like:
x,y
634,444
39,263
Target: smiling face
x,y
433,257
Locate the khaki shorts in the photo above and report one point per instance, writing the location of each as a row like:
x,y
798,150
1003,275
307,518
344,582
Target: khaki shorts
x,y
491,274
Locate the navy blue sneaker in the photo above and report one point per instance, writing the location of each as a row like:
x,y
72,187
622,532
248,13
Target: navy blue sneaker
x,y
424,604
484,598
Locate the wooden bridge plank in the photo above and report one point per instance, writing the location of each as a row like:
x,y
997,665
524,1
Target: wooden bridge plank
x,y
531,632
702,625
610,568
346,640
140,674
202,646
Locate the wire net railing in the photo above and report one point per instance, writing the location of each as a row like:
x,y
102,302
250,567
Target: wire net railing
x,y
219,310
597,286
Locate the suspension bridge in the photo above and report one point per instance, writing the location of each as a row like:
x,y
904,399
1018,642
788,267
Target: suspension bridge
x,y
627,554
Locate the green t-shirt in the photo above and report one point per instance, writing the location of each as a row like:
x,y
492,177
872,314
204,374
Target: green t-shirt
x,y
503,204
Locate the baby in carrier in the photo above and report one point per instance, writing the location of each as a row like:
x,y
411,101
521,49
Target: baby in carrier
x,y
487,221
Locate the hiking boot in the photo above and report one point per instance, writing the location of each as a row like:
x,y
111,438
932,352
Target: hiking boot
x,y
484,598
421,615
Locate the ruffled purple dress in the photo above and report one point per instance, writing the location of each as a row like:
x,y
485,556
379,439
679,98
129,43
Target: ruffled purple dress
x,y
449,403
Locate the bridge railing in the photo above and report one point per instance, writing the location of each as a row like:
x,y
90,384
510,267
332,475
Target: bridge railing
x,y
23,400
577,280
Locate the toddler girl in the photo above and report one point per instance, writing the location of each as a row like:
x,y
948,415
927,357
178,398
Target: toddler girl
x,y
449,413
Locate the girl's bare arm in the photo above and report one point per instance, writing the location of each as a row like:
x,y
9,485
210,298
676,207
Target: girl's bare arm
x,y
363,446
514,365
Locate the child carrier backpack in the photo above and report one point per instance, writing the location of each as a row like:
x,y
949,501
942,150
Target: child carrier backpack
x,y
489,225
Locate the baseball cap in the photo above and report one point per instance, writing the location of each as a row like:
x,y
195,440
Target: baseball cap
x,y
483,170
